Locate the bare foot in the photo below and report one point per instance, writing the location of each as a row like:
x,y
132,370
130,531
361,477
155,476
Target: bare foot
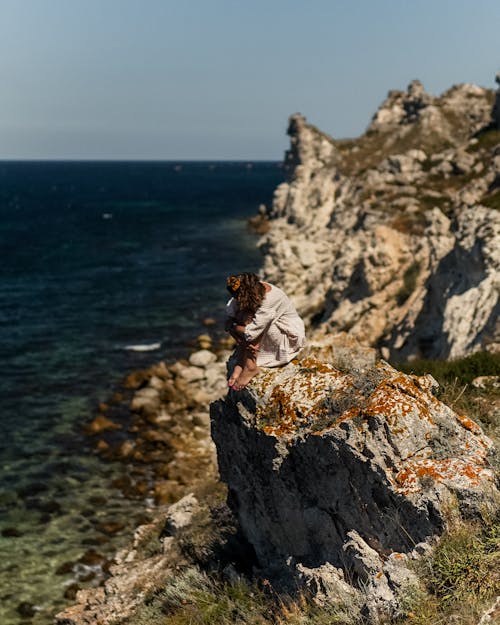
x,y
245,377
235,374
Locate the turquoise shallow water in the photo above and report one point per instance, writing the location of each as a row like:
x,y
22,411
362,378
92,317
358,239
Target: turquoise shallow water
x,y
96,257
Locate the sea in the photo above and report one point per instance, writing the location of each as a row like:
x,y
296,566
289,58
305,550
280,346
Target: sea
x,y
106,267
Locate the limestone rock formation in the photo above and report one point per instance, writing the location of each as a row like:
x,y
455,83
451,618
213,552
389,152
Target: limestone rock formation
x,y
395,236
434,118
340,478
340,475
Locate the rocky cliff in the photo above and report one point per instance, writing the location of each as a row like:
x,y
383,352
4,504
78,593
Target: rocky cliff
x,y
341,478
342,471
395,236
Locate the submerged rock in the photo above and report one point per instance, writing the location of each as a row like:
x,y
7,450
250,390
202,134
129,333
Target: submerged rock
x,y
11,532
101,424
348,470
26,610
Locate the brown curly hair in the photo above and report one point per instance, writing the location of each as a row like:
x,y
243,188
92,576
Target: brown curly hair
x,y
247,290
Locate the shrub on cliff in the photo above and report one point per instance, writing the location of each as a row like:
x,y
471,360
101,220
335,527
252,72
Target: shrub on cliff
x,y
457,583
460,579
464,370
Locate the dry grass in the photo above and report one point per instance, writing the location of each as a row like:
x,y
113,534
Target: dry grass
x,y
460,579
458,582
464,370
196,598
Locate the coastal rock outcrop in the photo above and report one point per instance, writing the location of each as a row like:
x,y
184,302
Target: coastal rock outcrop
x,y
433,118
395,236
341,470
340,478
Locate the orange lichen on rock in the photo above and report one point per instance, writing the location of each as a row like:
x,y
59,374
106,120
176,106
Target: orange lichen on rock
x,y
398,397
318,366
282,411
472,469
348,414
312,391
264,379
345,416
299,397
468,424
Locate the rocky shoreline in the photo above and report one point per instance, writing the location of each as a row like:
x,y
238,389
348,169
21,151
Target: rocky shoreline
x,y
157,425
173,466
163,437
167,434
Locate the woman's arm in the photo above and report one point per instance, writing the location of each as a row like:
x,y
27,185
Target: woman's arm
x,y
259,324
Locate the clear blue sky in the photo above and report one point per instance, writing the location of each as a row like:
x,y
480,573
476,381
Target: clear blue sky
x,y
217,79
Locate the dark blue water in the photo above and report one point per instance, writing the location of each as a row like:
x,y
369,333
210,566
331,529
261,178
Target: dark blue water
x,y
96,257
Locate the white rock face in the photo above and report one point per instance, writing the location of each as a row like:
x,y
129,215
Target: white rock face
x,y
180,514
402,111
396,247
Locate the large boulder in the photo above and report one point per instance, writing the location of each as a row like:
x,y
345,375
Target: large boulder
x,y
339,478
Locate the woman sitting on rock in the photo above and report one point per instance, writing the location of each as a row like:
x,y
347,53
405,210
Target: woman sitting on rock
x,y
263,321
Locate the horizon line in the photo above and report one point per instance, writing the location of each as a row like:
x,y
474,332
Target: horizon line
x,y
135,160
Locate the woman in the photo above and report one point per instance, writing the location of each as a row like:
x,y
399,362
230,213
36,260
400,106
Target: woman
x,y
263,321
